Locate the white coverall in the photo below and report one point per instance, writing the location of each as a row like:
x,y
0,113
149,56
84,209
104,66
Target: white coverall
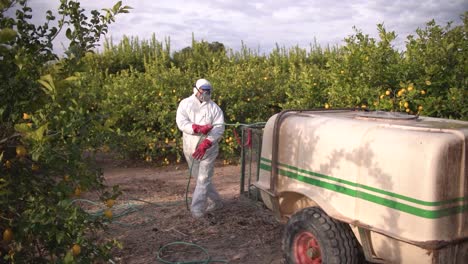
x,y
192,111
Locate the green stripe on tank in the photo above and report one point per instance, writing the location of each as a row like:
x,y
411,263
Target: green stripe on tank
x,y
432,214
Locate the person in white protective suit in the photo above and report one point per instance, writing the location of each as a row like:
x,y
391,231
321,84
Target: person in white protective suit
x,y
202,123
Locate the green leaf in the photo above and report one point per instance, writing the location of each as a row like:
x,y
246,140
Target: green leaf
x,y
22,128
59,237
47,84
4,4
116,7
68,258
68,33
35,156
450,46
39,133
7,34
72,78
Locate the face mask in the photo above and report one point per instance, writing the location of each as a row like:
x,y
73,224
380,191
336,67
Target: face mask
x,y
203,96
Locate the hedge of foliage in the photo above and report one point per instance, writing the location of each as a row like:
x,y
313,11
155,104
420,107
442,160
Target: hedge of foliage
x,y
141,83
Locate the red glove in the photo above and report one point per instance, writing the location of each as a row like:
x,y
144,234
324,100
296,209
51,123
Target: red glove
x,y
201,149
205,129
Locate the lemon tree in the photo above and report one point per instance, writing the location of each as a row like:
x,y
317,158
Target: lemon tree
x,y
47,123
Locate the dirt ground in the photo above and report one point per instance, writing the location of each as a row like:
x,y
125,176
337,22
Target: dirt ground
x,y
152,213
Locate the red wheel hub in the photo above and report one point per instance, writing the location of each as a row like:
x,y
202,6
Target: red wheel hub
x,y
306,249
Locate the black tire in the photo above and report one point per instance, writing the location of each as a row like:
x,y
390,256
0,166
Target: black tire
x,y
311,237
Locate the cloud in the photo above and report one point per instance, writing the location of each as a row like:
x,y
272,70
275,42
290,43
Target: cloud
x,y
264,23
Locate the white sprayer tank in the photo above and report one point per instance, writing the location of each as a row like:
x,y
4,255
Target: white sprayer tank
x,y
398,175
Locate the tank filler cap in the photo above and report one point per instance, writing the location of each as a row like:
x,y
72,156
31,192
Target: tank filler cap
x,y
387,115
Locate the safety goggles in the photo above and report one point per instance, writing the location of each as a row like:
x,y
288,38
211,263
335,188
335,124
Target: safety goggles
x,y
206,91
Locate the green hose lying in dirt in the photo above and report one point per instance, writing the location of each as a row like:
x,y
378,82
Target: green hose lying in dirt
x,y
202,261
132,208
122,210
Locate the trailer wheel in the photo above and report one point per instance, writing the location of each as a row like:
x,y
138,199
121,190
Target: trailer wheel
x,y
312,237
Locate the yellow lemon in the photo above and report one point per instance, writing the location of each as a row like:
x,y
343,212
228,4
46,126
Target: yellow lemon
x,y
428,82
108,213
105,148
20,151
77,191
387,92
407,110
423,92
327,106
7,235
420,108
406,104
8,164
76,250
26,116
110,203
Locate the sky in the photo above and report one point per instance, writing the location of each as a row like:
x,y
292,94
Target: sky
x,y
263,24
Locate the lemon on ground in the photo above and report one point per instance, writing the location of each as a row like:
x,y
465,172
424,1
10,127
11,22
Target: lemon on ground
x,y
110,203
108,213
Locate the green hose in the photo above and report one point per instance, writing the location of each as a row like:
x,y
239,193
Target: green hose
x,y
131,208
202,261
122,210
